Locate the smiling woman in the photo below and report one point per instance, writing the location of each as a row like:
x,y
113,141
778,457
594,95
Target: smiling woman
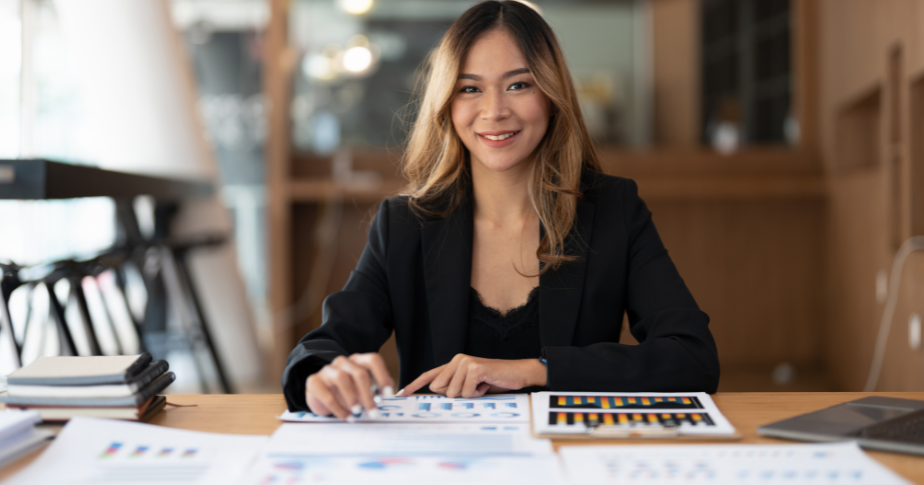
x,y
510,260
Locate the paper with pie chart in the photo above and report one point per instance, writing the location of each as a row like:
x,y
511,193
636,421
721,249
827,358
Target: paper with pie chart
x,y
494,408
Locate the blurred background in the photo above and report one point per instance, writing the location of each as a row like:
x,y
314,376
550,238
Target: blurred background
x,y
778,143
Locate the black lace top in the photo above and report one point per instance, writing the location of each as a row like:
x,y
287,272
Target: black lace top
x,y
512,336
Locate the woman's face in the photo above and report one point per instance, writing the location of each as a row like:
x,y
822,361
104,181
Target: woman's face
x,y
497,110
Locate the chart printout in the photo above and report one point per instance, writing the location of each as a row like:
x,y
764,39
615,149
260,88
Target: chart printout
x,y
107,451
494,408
404,470
407,439
799,464
692,413
405,453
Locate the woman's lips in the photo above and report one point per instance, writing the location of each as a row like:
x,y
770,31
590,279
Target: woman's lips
x,y
500,138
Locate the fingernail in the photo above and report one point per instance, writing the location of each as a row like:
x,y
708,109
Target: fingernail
x,y
388,392
377,399
356,409
374,413
351,419
400,393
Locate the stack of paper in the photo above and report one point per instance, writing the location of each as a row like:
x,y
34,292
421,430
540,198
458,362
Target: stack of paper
x,y
18,435
58,388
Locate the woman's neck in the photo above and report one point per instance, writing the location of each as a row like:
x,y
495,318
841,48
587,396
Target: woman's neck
x,y
501,197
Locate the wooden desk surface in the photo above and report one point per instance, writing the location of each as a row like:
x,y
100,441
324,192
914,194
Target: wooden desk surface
x,y
256,414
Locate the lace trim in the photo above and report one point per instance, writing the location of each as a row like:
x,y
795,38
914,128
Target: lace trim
x,y
516,319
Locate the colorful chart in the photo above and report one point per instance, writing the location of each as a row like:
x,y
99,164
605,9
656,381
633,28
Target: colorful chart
x,y
590,420
624,402
494,408
118,451
691,413
445,470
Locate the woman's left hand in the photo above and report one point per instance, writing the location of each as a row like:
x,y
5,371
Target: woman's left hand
x,y
467,376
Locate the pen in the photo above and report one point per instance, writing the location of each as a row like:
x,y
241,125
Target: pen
x,y
377,395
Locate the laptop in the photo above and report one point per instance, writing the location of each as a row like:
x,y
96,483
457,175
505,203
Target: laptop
x,y
878,423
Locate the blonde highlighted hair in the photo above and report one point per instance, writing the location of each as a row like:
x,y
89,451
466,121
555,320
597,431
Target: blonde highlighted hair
x,y
435,160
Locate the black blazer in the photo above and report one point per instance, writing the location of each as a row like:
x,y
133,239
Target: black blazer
x,y
414,276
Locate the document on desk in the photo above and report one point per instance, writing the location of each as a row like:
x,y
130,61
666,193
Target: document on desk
x,y
690,413
91,451
494,408
407,439
405,470
830,464
376,453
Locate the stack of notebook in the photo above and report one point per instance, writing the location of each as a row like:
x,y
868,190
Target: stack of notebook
x,y
18,435
59,388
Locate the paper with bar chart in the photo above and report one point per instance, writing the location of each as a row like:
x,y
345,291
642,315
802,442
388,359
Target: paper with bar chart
x,y
691,413
108,451
495,408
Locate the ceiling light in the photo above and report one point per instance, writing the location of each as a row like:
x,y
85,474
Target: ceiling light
x,y
356,7
357,59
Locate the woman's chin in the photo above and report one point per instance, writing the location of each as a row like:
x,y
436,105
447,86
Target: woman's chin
x,y
504,165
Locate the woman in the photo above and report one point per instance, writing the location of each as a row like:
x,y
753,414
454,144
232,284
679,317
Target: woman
x,y
506,209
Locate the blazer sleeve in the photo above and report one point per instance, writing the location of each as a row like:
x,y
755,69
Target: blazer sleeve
x,y
356,319
676,351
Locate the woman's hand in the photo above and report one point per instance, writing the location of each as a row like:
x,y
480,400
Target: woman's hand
x,y
467,376
344,386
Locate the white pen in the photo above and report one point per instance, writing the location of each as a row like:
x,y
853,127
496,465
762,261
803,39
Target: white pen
x,y
377,395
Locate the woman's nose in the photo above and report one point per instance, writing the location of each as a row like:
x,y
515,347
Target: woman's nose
x,y
494,106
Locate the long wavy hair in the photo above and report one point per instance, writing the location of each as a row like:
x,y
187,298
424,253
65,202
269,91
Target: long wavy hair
x,y
436,162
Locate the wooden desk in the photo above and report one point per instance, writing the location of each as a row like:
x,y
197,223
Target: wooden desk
x,y
256,414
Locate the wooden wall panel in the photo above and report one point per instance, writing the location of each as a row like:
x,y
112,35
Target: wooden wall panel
x,y
868,46
756,268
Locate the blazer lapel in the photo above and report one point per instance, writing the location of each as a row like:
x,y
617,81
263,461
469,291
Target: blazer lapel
x,y
560,290
447,254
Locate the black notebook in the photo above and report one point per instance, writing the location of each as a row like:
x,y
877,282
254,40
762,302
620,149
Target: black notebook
x,y
157,385
71,371
125,389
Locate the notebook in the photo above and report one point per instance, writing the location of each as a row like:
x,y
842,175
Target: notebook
x,y
126,389
71,371
155,387
144,412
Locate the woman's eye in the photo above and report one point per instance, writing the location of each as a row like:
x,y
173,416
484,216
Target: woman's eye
x,y
468,89
518,86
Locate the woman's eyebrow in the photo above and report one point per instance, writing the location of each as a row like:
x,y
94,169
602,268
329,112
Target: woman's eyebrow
x,y
515,72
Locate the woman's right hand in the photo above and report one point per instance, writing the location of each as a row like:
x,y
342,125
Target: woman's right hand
x,y
344,386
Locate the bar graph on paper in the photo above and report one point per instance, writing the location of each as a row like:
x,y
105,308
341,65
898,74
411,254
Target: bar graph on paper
x,y
581,412
434,408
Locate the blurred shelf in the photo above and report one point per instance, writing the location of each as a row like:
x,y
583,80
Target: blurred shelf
x,y
320,189
731,187
37,179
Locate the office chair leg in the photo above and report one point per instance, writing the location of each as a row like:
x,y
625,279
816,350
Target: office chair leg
x,y
78,295
183,270
65,339
122,287
177,299
6,327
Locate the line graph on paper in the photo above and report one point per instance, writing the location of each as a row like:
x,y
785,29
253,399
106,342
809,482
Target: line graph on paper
x,y
435,408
